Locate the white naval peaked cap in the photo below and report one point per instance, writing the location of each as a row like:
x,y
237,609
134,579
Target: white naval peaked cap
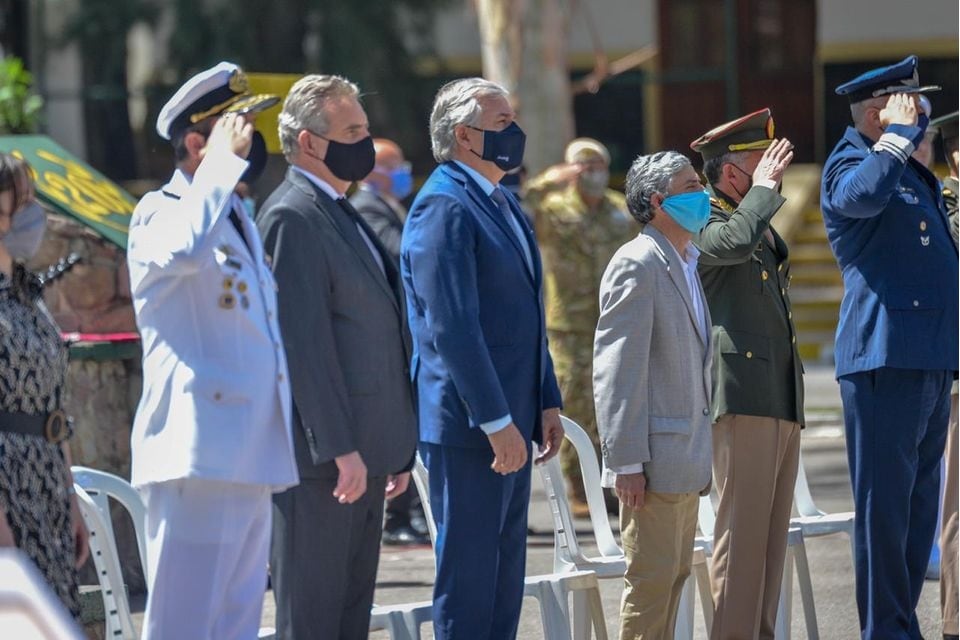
x,y
220,89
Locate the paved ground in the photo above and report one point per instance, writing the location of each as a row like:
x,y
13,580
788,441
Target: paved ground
x,y
407,575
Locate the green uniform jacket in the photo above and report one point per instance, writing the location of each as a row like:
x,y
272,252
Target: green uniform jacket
x,y
756,366
951,186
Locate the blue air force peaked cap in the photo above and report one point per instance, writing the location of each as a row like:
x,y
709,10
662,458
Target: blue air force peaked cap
x,y
901,77
218,90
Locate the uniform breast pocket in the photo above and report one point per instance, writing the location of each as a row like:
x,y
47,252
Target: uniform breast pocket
x,y
746,356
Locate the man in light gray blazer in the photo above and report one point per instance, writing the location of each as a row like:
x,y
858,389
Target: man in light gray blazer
x,y
343,320
651,385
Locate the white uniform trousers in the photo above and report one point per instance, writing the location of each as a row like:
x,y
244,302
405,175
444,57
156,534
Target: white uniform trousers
x,y
207,550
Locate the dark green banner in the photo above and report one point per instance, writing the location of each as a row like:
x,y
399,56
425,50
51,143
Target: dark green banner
x,y
72,187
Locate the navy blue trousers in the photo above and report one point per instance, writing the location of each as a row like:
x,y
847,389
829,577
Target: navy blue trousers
x,y
896,424
481,545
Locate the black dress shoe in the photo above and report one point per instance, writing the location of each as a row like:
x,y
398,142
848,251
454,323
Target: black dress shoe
x,y
405,536
947,636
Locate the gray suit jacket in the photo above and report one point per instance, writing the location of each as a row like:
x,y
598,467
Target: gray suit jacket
x,y
344,326
651,369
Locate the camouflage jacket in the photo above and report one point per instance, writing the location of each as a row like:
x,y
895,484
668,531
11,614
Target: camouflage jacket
x,y
576,244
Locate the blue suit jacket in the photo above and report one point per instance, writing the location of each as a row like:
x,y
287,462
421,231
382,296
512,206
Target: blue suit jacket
x,y
476,314
887,226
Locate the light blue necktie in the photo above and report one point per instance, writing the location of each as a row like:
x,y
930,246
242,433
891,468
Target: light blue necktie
x,y
501,200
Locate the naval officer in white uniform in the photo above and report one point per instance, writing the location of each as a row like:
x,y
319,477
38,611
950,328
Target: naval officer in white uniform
x,y
211,439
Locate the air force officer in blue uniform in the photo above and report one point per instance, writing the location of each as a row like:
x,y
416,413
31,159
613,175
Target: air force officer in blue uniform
x,y
486,388
896,346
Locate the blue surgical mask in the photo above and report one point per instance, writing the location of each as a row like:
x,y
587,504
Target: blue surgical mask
x,y
401,182
690,210
26,231
503,148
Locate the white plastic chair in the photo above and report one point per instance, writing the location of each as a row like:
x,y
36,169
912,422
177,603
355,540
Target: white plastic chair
x,y
402,621
812,520
611,563
552,591
796,556
106,561
101,486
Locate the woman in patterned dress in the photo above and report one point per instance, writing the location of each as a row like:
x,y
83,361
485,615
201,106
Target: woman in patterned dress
x,y
38,510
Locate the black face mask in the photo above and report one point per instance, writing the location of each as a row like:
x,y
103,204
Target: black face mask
x,y
257,159
503,148
350,161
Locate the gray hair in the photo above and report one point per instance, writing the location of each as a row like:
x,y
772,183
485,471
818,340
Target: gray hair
x,y
648,175
713,166
457,103
303,108
859,109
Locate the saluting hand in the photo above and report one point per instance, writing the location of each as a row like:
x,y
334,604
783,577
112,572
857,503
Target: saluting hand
x,y
901,109
233,133
774,162
509,450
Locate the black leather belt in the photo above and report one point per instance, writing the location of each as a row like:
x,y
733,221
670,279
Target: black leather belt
x,y
54,427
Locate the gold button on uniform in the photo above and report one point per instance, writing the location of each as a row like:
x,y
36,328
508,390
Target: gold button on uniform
x,y
793,339
789,315
242,286
228,283
749,354
227,301
764,274
780,267
923,225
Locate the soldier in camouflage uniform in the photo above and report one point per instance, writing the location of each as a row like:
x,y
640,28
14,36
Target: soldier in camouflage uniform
x,y
950,527
579,223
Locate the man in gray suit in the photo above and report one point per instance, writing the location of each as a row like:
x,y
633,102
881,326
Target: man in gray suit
x,y
651,385
343,319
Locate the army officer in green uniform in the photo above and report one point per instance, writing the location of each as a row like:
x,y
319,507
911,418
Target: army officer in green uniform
x,y
580,223
757,376
950,522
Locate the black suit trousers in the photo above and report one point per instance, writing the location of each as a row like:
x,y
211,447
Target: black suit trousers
x,y
323,560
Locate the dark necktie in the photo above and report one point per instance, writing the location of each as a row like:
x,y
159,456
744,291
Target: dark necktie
x,y
373,246
512,222
238,225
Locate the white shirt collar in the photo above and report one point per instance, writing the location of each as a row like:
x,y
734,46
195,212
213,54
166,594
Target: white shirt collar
x,y
484,184
693,254
320,183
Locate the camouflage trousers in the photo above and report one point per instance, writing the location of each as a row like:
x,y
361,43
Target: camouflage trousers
x,y
572,353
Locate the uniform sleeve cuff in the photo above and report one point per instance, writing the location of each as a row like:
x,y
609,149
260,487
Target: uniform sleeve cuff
x,y
493,426
895,144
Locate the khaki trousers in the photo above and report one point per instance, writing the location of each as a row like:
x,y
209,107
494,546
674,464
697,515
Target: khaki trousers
x,y
755,468
948,533
658,543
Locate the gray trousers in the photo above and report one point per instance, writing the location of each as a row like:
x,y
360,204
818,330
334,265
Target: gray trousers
x,y
323,560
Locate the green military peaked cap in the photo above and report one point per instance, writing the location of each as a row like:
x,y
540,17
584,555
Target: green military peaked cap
x,y
947,125
751,132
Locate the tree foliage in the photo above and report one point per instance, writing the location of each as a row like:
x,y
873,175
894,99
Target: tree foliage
x,y
20,108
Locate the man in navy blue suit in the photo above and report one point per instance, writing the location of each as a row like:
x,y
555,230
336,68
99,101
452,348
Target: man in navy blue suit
x,y
486,388
896,348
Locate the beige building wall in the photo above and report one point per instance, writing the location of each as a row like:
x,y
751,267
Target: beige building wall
x,y
850,30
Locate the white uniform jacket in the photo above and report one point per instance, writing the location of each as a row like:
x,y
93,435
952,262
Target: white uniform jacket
x,y
216,396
